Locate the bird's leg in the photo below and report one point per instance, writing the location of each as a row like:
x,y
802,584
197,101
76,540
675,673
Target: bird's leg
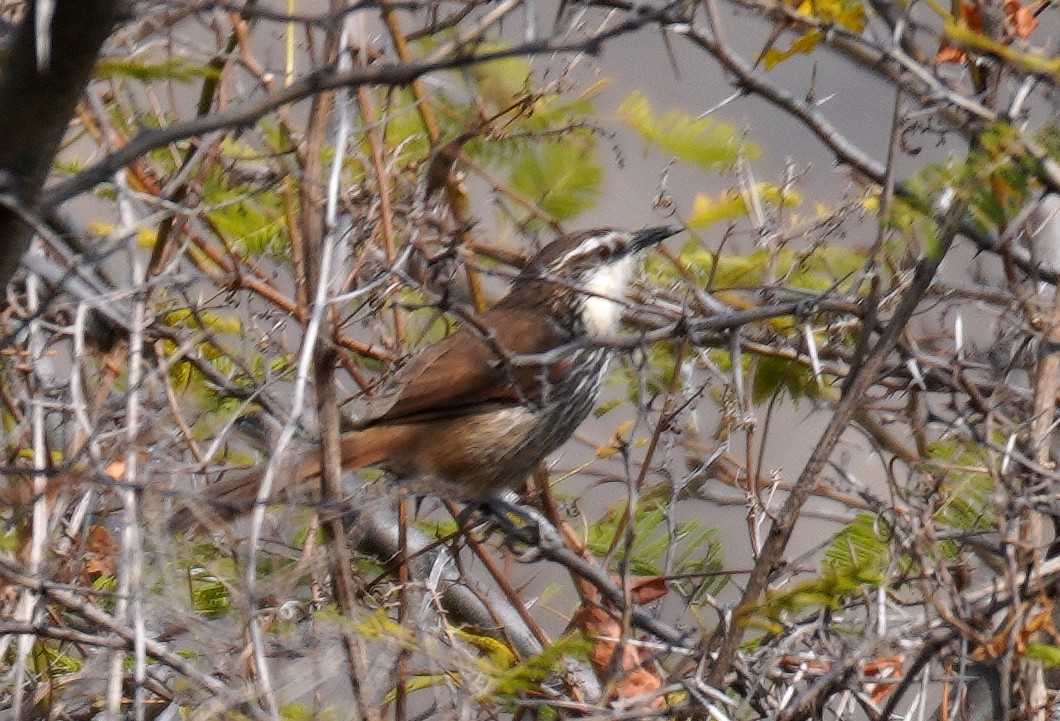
x,y
502,515
465,519
519,523
515,521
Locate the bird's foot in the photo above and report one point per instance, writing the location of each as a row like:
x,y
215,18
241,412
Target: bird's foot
x,y
516,522
521,525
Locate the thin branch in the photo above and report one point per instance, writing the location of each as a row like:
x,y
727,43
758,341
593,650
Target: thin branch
x,y
384,74
727,638
73,602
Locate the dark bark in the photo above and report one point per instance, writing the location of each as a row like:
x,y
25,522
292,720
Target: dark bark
x,y
37,100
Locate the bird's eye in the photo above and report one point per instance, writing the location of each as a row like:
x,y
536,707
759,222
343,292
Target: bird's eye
x,y
603,252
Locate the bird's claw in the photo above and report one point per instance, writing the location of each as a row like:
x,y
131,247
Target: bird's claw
x,y
521,525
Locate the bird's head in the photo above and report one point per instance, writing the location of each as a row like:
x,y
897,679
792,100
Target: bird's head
x,y
583,277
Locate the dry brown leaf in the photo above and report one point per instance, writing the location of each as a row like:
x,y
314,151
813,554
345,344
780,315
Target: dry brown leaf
x,y
1020,22
877,671
810,666
648,588
101,552
636,674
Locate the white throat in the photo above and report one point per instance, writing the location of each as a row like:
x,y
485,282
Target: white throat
x,y
600,314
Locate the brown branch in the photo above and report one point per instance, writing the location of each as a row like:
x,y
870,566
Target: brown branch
x,y
317,234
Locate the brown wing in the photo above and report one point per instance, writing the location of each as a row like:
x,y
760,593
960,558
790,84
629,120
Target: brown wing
x,y
472,366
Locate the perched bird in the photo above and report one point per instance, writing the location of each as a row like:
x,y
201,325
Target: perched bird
x,y
472,415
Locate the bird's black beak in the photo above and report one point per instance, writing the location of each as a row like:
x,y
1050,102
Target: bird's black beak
x,y
652,236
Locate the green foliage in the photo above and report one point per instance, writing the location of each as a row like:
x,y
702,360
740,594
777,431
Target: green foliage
x,y
251,226
192,382
540,140
698,141
208,574
532,111
563,178
607,406
377,625
963,497
691,548
210,596
438,527
404,129
830,590
427,324
780,375
302,712
996,177
107,588
249,216
526,676
863,543
10,538
172,68
652,375
419,682
1047,653
1049,138
499,82
961,502
1004,176
820,269
964,35
912,218
186,376
70,166
732,204
203,320
495,651
508,677
48,660
772,376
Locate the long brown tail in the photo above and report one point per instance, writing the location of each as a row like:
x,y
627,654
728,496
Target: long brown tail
x,y
220,502
235,496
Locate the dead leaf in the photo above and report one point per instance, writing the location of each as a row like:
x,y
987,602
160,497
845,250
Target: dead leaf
x,y
877,670
637,675
649,588
101,553
1020,22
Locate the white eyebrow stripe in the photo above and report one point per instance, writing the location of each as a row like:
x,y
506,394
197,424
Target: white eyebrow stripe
x,y
590,244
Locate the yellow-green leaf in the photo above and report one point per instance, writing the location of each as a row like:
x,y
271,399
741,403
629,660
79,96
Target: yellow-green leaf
x,y
699,141
170,69
563,179
731,204
1047,653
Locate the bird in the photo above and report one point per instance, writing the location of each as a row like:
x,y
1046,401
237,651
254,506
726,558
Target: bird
x,y
472,415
